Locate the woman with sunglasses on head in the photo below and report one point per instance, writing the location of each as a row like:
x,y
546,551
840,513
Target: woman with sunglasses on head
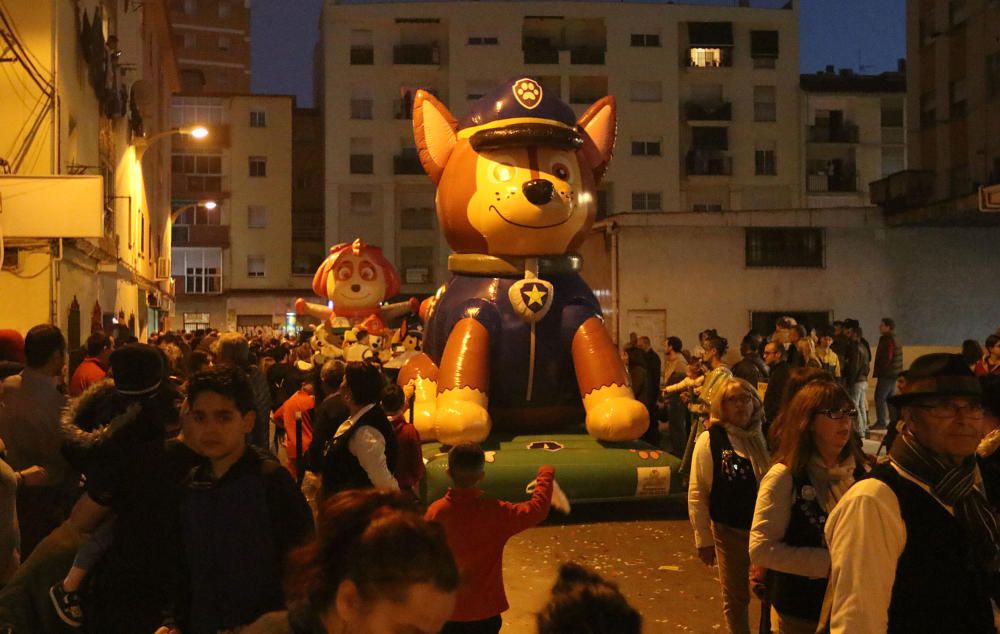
x,y
729,460
818,459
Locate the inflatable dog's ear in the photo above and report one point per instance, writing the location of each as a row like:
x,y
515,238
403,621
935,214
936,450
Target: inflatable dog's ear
x,y
601,125
434,131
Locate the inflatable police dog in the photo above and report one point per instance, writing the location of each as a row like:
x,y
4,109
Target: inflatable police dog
x,y
516,337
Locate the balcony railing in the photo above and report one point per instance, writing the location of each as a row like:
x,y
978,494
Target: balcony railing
x,y
402,108
708,163
700,111
848,133
407,164
204,284
587,55
841,183
416,54
908,188
200,235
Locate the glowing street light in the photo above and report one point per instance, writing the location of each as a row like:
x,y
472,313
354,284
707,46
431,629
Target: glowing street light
x,y
143,143
207,204
199,132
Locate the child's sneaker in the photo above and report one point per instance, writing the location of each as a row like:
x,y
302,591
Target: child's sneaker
x,y
67,604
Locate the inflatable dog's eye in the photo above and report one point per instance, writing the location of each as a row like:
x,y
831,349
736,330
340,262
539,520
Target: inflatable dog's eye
x,y
502,172
345,271
367,271
560,171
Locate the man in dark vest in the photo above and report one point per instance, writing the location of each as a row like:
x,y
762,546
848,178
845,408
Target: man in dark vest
x,y
914,546
363,450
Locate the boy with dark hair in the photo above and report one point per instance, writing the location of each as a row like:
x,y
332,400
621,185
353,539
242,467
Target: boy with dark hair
x,y
94,367
241,513
478,529
409,455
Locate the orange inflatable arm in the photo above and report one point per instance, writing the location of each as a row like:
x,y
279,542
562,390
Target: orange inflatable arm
x,y
596,358
465,362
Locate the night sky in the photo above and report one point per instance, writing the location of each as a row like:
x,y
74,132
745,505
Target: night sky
x,y
866,35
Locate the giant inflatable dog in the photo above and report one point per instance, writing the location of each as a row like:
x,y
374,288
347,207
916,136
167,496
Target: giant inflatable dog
x,y
516,338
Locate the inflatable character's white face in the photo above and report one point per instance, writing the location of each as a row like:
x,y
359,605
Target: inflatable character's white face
x,y
530,200
356,282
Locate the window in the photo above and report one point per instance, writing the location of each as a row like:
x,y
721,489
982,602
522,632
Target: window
x,y
646,39
710,138
892,115
646,148
196,321
190,111
705,57
258,119
255,266
710,44
646,91
483,40
362,160
190,7
258,166
198,271
764,106
197,214
417,218
764,48
928,110
256,216
993,74
197,172
646,201
190,40
765,163
362,203
956,90
705,207
362,48
225,9
417,264
784,247
224,43
476,88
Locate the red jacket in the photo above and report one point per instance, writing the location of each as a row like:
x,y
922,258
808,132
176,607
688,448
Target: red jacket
x,y
478,529
409,455
89,371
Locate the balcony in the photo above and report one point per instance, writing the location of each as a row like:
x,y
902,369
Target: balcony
x,y
407,164
198,186
714,57
698,111
206,284
362,56
541,55
909,188
200,236
708,163
416,54
846,182
587,55
847,133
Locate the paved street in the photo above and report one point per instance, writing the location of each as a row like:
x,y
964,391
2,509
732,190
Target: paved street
x,y
646,547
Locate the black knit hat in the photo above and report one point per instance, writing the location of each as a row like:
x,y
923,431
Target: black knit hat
x,y
937,374
137,369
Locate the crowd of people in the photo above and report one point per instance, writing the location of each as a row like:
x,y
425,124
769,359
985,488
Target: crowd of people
x,y
204,482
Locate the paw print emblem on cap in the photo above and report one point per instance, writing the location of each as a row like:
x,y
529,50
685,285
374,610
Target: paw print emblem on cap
x,y
528,92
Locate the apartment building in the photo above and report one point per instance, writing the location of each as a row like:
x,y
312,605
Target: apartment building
x,y
232,201
84,176
308,246
953,102
212,38
854,134
707,103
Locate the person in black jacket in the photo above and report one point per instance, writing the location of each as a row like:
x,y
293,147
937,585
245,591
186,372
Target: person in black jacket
x,y
774,357
363,451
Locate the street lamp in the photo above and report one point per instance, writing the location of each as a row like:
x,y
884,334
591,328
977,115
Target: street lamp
x,y
142,143
207,204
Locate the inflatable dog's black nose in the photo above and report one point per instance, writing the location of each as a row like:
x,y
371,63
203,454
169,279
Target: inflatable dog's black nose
x,y
538,191
355,287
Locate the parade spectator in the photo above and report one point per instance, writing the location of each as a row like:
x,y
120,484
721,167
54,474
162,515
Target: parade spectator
x,y
797,379
972,352
857,367
11,353
989,363
778,369
375,566
714,350
94,366
808,356
644,389
911,546
824,350
674,361
728,464
241,513
295,418
886,368
654,368
478,528
10,534
198,361
988,452
817,462
409,454
363,451
675,369
583,601
233,350
751,368
30,411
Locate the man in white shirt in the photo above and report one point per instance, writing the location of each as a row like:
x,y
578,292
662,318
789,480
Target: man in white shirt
x,y
913,547
363,450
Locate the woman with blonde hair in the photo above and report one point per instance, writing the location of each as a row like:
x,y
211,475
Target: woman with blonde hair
x,y
808,353
728,463
817,460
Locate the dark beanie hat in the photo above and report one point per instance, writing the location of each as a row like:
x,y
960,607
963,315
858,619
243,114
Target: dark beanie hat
x,y
137,369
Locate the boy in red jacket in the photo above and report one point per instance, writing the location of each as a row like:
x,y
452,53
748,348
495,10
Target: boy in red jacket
x,y
477,529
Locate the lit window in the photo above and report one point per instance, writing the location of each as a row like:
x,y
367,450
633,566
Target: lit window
x,y
706,57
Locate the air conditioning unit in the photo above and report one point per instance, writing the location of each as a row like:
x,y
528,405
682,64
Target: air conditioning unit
x,y
162,269
13,260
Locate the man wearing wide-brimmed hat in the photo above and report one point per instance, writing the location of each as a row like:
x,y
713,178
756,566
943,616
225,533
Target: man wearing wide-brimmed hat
x,y
913,547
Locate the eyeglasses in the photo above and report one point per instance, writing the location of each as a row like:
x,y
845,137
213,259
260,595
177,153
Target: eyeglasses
x,y
837,414
949,409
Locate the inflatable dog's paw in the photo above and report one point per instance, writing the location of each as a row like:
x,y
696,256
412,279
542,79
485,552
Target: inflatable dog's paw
x,y
461,416
615,417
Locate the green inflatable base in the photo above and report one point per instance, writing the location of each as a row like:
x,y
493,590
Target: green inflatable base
x,y
588,470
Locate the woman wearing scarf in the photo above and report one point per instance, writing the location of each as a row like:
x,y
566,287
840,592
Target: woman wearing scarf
x,y
717,373
816,464
914,547
727,466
